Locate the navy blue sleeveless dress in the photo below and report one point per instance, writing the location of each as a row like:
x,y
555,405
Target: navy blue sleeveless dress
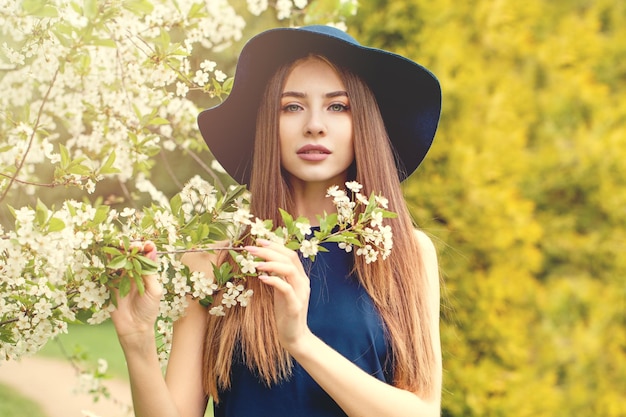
x,y
342,315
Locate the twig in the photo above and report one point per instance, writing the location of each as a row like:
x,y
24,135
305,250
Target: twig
x,y
235,248
36,126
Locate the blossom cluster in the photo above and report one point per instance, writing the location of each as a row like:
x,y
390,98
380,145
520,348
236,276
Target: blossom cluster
x,y
60,266
109,77
377,237
97,90
101,81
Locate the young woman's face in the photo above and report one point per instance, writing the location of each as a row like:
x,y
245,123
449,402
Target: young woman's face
x,y
315,125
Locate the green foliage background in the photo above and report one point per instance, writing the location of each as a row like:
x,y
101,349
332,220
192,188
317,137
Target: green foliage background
x,y
523,192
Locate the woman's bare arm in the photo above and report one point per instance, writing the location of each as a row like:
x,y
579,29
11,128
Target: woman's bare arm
x,y
180,393
356,392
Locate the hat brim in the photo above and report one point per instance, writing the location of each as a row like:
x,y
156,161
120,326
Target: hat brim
x,y
408,95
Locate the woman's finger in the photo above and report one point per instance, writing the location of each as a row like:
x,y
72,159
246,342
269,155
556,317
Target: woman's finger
x,y
274,252
153,286
150,250
280,269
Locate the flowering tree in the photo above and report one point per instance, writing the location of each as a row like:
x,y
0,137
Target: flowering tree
x,y
96,90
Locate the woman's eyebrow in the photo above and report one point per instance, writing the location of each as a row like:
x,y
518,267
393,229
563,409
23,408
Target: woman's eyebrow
x,y
298,94
340,93
293,94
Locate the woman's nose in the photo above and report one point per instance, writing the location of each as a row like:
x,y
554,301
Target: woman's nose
x,y
315,125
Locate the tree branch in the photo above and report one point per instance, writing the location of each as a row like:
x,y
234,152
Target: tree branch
x,y
13,178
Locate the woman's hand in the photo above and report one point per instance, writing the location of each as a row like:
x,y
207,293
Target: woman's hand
x,y
136,314
283,271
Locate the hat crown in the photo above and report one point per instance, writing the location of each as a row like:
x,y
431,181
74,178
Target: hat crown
x,y
331,31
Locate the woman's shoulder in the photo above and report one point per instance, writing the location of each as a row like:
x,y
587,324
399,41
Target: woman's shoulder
x,y
202,260
425,243
428,253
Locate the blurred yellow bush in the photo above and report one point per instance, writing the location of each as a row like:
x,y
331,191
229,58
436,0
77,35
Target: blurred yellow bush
x,y
524,192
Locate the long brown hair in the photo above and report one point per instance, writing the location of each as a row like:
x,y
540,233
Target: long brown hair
x,y
397,285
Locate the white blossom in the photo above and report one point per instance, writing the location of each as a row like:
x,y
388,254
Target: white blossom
x,y
257,228
247,263
304,228
345,246
354,186
382,201
377,218
201,78
283,9
181,89
309,247
242,216
244,298
220,76
256,7
300,4
217,311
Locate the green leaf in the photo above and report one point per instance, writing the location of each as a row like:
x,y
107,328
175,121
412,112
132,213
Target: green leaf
x,y
111,251
287,219
139,7
328,222
219,231
63,32
83,315
65,156
371,205
55,225
107,167
90,9
126,242
148,266
124,287
38,8
176,204
344,237
141,288
293,245
118,262
104,278
206,301
6,334
158,121
41,213
83,59
200,233
102,213
222,273
108,43
136,266
79,169
228,84
196,11
389,214
12,211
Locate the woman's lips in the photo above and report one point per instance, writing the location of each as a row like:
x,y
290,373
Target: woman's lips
x,y
313,153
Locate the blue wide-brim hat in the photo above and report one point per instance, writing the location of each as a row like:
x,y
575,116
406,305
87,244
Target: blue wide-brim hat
x,y
408,95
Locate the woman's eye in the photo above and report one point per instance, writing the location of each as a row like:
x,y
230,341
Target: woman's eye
x,y
338,107
291,107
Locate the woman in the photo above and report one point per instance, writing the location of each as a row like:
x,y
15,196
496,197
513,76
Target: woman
x,y
310,108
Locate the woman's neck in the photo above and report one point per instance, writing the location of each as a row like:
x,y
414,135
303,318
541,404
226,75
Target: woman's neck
x,y
310,200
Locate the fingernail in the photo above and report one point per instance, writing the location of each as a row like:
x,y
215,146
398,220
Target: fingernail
x,y
263,242
251,249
